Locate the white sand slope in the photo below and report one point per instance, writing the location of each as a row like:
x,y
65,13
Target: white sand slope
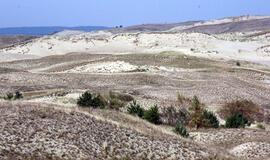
x,y
220,21
195,44
120,67
5,57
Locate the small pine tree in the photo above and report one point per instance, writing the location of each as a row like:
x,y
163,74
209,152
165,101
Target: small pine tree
x,y
197,118
88,100
98,101
236,120
85,100
152,115
135,109
212,118
181,130
18,95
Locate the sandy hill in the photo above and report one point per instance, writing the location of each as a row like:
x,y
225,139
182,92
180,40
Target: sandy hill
x,y
224,25
226,46
13,39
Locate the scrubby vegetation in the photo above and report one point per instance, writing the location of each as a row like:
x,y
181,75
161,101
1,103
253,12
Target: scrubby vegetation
x,y
247,108
135,109
89,100
183,100
173,115
18,95
10,96
152,115
236,120
212,118
118,100
201,118
181,130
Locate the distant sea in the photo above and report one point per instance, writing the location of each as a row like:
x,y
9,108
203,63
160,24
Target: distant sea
x,y
40,31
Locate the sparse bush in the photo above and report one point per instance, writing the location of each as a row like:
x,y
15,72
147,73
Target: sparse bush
x,y
181,130
118,100
18,95
89,100
120,96
197,118
135,109
212,118
236,120
152,115
171,116
249,109
182,100
260,126
115,104
9,96
200,117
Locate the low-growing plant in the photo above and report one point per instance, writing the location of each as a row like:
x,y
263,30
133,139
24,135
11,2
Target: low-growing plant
x,y
152,115
236,120
18,95
89,100
118,100
120,96
200,117
135,109
115,104
247,108
197,119
181,130
182,100
238,64
9,96
260,126
212,118
172,115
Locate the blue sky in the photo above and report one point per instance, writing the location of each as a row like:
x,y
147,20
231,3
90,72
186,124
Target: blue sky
x,y
17,13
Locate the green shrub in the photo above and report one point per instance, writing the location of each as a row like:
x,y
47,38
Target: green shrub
x,y
135,109
181,130
238,64
89,100
236,120
18,95
9,96
212,118
152,115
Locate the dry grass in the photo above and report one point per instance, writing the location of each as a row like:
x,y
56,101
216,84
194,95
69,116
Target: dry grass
x,y
35,131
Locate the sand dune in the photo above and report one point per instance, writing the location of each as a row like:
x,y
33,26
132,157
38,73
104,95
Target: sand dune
x,y
196,44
